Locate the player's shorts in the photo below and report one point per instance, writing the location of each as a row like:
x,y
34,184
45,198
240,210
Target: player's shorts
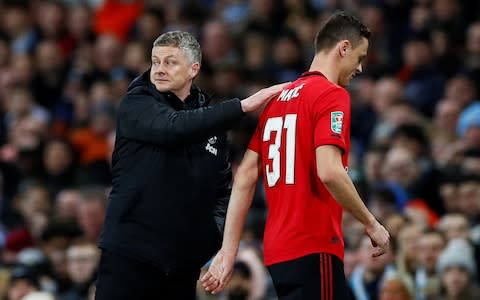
x,y
314,276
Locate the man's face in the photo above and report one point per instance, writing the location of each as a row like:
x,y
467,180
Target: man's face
x,y
171,69
430,245
351,63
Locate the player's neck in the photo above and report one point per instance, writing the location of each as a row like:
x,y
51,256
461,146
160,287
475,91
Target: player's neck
x,y
323,63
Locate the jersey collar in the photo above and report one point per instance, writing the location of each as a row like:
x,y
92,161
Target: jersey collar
x,y
311,73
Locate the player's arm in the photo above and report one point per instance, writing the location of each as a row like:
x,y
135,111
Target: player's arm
x,y
243,189
331,172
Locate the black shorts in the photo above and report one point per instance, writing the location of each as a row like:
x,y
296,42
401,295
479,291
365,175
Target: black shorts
x,y
314,276
122,278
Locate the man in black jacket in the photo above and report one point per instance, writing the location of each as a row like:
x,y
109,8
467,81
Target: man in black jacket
x,y
171,178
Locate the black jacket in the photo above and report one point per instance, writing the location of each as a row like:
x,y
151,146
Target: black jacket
x,y
171,177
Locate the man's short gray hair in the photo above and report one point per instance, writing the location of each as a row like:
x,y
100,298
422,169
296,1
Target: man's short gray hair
x,y
182,40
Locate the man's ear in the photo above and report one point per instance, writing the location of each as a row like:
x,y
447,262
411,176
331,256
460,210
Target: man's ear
x,y
195,68
343,47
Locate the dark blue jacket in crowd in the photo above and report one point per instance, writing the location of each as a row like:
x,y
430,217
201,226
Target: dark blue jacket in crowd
x,y
171,177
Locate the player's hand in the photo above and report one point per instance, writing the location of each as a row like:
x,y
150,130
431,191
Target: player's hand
x,y
379,237
219,272
257,100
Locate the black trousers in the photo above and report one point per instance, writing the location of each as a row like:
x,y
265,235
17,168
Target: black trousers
x,y
314,276
122,278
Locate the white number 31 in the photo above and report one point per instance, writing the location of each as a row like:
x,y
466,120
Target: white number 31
x,y
277,124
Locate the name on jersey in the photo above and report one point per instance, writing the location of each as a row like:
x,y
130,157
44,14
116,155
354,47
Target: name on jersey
x,y
290,94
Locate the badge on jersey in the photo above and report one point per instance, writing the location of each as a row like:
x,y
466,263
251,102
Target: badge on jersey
x,y
336,121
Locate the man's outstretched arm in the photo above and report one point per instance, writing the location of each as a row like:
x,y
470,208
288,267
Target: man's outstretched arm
x,y
142,117
331,172
220,271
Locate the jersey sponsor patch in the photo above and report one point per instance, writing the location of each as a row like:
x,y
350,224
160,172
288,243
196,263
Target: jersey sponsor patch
x,y
336,121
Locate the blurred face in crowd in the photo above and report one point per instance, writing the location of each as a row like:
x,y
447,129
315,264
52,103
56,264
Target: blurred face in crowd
x,y
20,102
134,59
215,41
256,49
386,92
50,16
394,224
454,226
286,52
473,39
80,21
91,214
446,115
461,90
108,52
469,198
66,204
351,64
22,68
82,262
372,163
445,9
472,136
455,279
57,158
48,57
471,165
149,27
27,133
171,70
448,193
381,209
15,21
35,201
430,245
394,289
400,167
408,241
20,288
416,53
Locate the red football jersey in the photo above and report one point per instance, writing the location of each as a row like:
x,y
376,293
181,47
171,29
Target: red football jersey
x,y
303,217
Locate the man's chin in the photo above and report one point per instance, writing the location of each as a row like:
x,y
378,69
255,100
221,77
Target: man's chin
x,y
162,88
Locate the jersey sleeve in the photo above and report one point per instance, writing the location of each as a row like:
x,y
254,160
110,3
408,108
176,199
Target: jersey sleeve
x,y
331,119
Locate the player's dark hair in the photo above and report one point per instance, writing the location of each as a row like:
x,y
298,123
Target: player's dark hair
x,y
341,26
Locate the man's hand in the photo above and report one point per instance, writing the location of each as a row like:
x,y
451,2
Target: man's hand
x,y
379,237
261,97
219,272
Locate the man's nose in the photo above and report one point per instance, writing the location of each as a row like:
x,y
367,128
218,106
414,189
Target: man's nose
x,y
359,69
159,69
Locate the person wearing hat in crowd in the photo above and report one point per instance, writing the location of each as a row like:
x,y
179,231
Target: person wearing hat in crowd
x,y
457,270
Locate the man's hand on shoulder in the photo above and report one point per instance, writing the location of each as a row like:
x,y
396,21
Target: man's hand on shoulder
x,y
261,97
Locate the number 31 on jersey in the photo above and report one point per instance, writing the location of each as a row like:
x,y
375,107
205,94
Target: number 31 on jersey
x,y
276,125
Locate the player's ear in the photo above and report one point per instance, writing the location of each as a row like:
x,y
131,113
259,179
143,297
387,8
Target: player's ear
x,y
343,47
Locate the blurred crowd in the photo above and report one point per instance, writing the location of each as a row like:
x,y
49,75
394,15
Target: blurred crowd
x,y
65,64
